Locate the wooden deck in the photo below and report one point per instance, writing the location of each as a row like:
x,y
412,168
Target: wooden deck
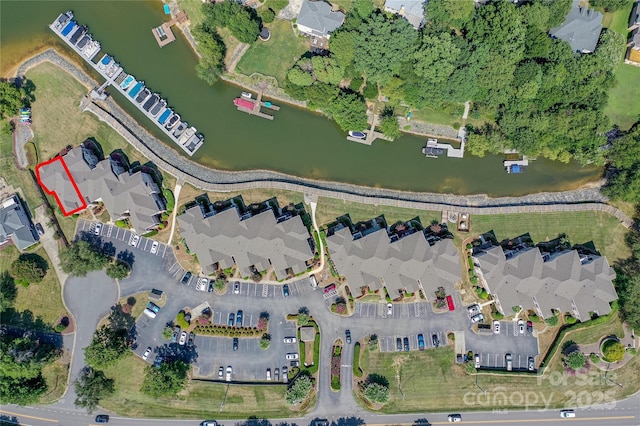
x,y
257,105
163,33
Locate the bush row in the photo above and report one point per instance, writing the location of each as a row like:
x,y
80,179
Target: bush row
x,y
224,330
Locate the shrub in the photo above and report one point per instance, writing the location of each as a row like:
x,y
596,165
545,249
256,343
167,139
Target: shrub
x,y
575,360
534,318
551,321
180,321
265,341
376,392
484,295
122,223
612,351
356,83
299,390
594,358
474,280
356,360
570,319
267,15
118,270
60,327
497,315
335,383
167,332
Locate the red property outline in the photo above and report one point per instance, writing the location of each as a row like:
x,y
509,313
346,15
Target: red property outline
x,y
54,193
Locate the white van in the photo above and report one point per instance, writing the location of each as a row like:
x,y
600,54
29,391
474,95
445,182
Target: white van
x,y
509,362
567,413
314,281
148,312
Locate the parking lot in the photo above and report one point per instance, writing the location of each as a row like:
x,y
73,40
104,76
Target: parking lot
x,y
389,343
112,232
493,347
399,310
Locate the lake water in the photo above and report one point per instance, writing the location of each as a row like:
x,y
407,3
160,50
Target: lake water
x,y
297,142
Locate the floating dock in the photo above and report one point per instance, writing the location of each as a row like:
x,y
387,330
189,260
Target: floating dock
x,y
149,103
163,33
254,107
433,149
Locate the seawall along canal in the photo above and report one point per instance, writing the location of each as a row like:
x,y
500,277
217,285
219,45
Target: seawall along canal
x,y
297,142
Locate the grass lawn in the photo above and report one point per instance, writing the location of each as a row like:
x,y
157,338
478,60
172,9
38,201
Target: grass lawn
x,y
446,387
189,193
276,56
56,375
604,230
621,107
199,400
43,299
193,9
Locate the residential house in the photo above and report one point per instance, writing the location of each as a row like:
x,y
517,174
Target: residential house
x,y
632,56
401,262
16,225
252,242
316,18
581,28
125,195
574,281
411,10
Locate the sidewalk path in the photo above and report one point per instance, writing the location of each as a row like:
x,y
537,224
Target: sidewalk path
x,y
176,195
21,135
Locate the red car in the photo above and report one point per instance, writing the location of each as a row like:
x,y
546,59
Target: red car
x,y
329,288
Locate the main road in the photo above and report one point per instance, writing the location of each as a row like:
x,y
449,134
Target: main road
x,y
624,413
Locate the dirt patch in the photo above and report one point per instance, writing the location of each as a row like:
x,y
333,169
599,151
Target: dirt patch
x,y
308,353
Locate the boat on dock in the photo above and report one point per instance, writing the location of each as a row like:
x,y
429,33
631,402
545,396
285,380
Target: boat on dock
x,y
68,28
83,41
62,20
165,116
136,89
191,131
160,106
194,142
143,96
432,149
246,95
357,135
104,62
91,49
128,81
514,168
150,103
173,121
82,30
180,129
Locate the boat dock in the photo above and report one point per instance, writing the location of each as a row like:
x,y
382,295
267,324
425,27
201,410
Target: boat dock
x,y
149,103
433,149
254,106
163,33
372,135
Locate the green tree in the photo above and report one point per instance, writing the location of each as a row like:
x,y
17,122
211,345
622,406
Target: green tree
x,y
377,392
321,95
454,13
118,270
29,268
575,360
243,23
107,346
437,58
343,47
363,8
91,387
389,124
381,45
212,51
613,351
11,99
165,380
327,70
219,284
349,111
8,291
299,390
171,200
299,77
80,257
267,15
265,341
623,174
610,5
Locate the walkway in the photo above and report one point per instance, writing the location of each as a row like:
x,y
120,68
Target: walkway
x,y
21,135
176,197
167,159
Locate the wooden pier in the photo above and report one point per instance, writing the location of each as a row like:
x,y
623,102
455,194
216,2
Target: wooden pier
x,y
372,135
163,33
254,106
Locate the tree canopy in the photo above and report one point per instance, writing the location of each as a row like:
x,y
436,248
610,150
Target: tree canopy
x,y
299,389
91,387
11,99
212,51
80,258
29,268
167,379
242,22
109,344
377,392
623,170
349,111
118,270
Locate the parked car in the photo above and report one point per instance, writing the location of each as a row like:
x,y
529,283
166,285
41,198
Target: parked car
x,y
496,327
228,375
153,307
134,240
174,336
151,314
530,326
454,418
294,363
154,247
477,360
235,343
39,228
236,288
329,288
186,277
567,413
102,418
202,284
158,361
285,290
209,423
292,356
97,229
191,340
473,310
285,374
220,372
183,338
406,344
399,343
389,309
477,318
347,335
268,374
435,340
520,326
421,342
239,316
509,361
146,353
231,318
531,364
210,289
290,340
276,374
314,281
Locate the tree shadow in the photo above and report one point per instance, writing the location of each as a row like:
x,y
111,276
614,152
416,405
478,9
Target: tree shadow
x,y
377,378
127,257
8,290
421,422
174,351
348,421
569,346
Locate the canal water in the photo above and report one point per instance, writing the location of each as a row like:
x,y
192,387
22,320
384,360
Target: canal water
x,y
297,142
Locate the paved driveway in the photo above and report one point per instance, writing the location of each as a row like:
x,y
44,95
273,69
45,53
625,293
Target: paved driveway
x,y
492,348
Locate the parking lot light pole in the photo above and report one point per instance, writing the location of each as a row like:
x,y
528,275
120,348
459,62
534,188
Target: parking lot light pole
x,y
479,387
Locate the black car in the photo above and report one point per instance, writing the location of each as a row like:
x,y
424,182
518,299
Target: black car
x,y
231,318
399,343
406,344
39,229
102,418
285,290
186,277
347,334
239,319
192,337
435,340
235,343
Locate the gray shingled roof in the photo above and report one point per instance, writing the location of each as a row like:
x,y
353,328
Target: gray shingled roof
x,y
375,261
411,10
634,18
257,241
564,282
16,224
317,18
135,195
581,29
55,178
